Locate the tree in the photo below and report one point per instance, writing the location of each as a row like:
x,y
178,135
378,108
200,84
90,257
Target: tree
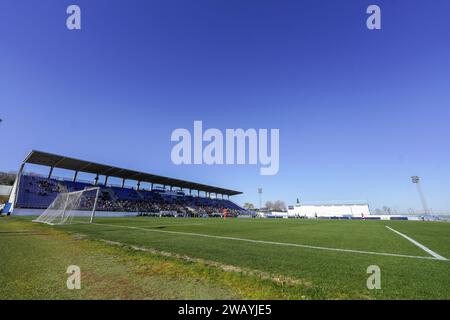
x,y
279,205
7,178
387,210
269,205
276,206
249,206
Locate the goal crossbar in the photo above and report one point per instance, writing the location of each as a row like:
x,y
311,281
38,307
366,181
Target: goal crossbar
x,y
84,190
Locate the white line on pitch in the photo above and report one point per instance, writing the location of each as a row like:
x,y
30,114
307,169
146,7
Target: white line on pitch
x,y
421,246
270,242
175,225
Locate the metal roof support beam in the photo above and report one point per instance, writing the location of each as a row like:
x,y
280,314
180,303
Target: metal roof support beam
x,y
75,176
85,166
108,170
106,180
123,183
50,172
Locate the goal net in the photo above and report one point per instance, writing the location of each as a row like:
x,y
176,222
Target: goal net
x,y
72,207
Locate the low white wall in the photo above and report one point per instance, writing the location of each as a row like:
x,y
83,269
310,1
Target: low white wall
x,y
277,214
5,190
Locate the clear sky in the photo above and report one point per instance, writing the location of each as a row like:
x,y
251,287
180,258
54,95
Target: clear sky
x,y
359,111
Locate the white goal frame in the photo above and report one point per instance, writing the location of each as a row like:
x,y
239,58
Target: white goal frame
x,y
94,208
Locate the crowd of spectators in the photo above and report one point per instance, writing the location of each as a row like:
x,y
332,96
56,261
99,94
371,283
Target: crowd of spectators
x,y
151,207
44,187
144,202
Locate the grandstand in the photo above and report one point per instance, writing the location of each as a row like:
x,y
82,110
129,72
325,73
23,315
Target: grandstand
x,y
32,194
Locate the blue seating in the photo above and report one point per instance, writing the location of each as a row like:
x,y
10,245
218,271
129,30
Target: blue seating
x,y
37,192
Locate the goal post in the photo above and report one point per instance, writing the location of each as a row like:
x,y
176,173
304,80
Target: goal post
x,y
97,193
72,207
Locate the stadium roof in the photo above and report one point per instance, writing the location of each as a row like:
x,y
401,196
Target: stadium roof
x,y
57,161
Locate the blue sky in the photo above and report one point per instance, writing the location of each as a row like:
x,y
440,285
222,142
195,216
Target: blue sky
x,y
359,111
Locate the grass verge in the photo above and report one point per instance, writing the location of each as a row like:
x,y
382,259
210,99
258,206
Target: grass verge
x,y
34,259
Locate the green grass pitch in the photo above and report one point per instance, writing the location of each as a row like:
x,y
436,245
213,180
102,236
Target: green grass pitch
x,y
174,258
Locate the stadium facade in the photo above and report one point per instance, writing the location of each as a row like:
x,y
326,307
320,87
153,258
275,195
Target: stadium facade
x,y
32,194
354,210
351,209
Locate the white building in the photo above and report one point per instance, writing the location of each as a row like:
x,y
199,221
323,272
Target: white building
x,y
5,190
345,209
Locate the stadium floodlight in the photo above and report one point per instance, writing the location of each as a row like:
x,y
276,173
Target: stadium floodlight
x,y
260,201
416,181
72,207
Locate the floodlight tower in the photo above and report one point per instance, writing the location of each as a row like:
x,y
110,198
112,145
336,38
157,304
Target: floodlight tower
x,y
416,181
259,193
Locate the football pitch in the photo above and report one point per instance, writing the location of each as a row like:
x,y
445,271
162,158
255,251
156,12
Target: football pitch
x,y
160,258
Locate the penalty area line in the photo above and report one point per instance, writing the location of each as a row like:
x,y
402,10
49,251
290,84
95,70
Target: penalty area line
x,y
271,242
421,246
